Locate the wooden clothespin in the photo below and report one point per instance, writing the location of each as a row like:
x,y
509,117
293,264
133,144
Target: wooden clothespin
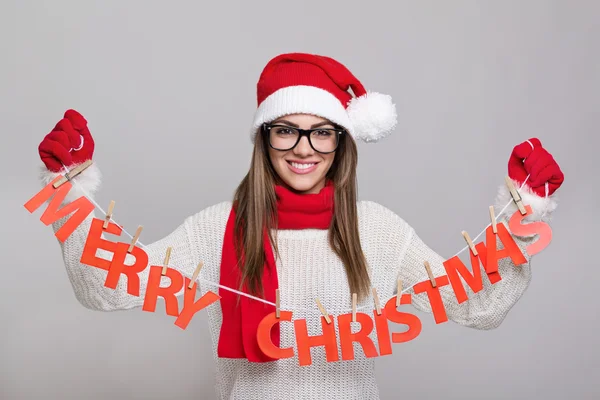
x,y
72,173
431,277
493,218
376,299
323,311
277,304
515,195
109,213
195,276
167,257
399,295
135,239
354,296
470,243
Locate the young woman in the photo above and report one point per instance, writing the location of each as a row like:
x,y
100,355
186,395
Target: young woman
x,y
302,230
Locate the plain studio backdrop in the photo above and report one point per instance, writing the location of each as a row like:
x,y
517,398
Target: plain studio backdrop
x,y
168,89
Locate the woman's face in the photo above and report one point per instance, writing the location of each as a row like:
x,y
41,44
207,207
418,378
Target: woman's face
x,y
302,168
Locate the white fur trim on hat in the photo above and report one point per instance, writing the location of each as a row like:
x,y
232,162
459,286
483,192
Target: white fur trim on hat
x,y
373,116
87,182
369,118
301,100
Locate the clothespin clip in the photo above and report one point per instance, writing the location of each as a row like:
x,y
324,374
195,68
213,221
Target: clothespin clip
x,y
493,218
470,243
515,195
277,304
399,295
167,257
431,277
109,213
135,239
323,311
195,276
72,174
354,296
376,299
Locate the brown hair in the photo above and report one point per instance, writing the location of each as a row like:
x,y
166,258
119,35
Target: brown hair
x,y
256,207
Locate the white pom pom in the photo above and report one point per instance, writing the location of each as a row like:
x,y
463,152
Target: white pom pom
x,y
373,116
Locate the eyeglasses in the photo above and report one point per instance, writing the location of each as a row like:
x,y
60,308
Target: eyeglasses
x,y
283,137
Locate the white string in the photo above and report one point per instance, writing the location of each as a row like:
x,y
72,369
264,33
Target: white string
x,y
144,246
480,233
266,301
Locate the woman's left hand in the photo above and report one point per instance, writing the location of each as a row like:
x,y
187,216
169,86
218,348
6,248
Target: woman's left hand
x,y
530,158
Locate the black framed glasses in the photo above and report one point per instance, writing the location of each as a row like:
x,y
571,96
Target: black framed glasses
x,y
322,140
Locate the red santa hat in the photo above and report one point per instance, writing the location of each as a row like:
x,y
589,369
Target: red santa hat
x,y
299,83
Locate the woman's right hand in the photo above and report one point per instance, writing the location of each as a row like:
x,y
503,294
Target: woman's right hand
x,y
69,143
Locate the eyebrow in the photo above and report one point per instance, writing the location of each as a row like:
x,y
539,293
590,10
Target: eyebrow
x,y
283,121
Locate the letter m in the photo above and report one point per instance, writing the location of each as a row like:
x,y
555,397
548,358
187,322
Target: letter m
x,y
80,208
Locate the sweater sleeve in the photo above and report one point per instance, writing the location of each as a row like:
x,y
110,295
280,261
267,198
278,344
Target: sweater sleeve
x,y
88,281
487,308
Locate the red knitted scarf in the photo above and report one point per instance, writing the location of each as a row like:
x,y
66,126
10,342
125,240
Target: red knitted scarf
x,y
240,321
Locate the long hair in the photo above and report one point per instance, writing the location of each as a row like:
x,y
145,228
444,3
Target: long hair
x,y
256,209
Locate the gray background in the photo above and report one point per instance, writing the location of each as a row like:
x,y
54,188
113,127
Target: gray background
x,y
168,89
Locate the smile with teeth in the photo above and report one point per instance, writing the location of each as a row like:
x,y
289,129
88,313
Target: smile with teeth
x,y
302,166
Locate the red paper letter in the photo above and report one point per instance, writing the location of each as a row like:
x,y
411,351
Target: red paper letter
x,y
541,228
510,248
94,242
435,299
118,267
305,342
362,336
82,208
412,321
454,266
191,307
153,290
263,336
494,277
383,333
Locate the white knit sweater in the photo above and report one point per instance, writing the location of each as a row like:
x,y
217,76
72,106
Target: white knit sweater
x,y
308,269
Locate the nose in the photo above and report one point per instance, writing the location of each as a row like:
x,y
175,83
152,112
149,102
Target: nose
x,y
303,148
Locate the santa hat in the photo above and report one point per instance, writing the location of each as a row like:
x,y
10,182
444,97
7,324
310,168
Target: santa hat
x,y
299,83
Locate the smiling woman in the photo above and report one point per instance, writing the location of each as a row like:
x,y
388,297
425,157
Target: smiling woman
x,y
295,224
301,149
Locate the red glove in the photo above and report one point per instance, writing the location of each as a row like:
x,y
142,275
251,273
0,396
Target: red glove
x,y
69,143
533,160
